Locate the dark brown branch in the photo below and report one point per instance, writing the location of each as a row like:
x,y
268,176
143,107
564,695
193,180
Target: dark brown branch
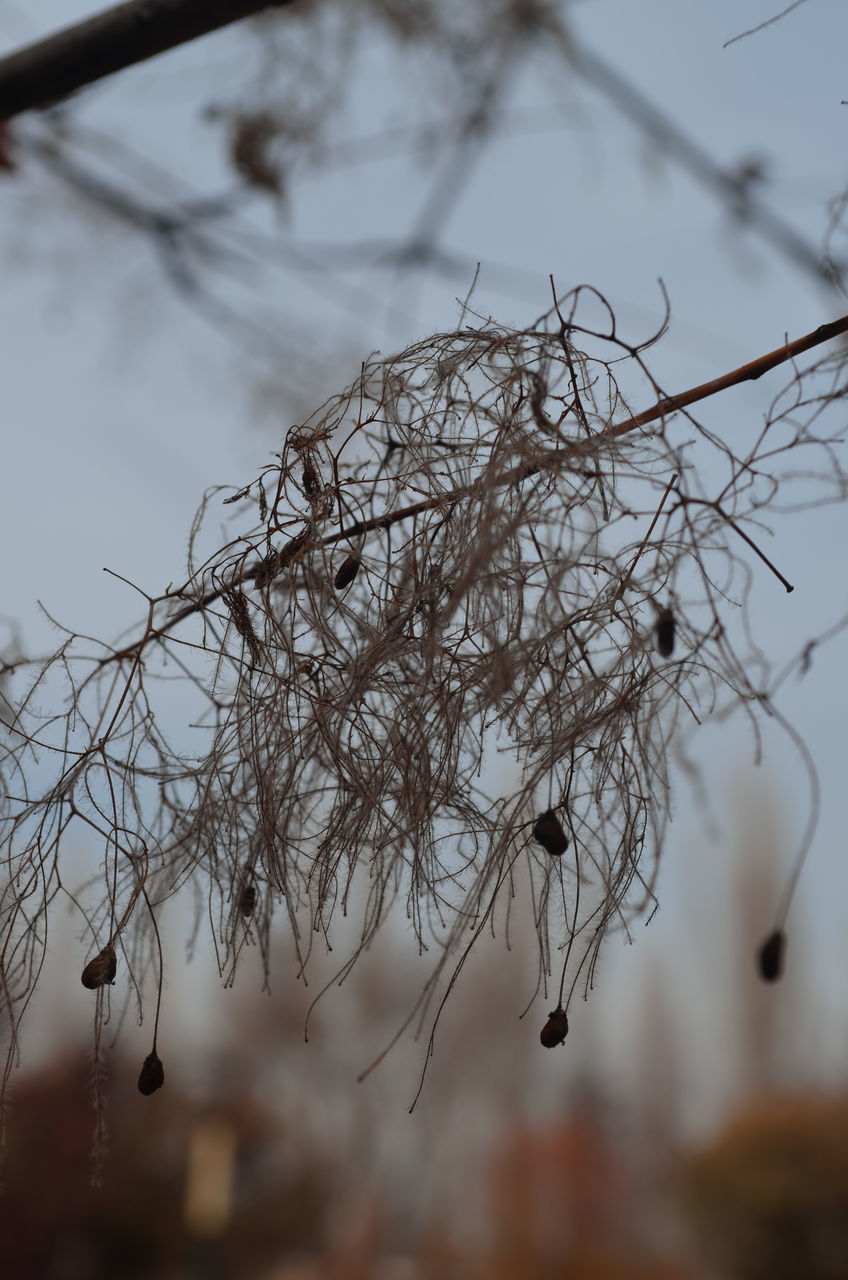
x,y
49,70
745,373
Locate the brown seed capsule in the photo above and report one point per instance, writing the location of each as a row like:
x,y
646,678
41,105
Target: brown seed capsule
x,y
247,901
100,970
664,632
347,571
152,1075
268,569
770,956
548,832
311,480
555,1029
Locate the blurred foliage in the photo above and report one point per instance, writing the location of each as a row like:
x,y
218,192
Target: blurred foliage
x,y
769,1198
569,1201
56,1225
583,1197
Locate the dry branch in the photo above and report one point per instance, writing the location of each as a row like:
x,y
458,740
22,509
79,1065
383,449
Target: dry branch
x,y
49,70
745,373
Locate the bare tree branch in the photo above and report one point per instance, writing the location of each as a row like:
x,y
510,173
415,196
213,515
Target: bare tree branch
x,y
745,373
51,69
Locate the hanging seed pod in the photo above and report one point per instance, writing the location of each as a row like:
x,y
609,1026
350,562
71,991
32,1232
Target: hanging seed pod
x,y
268,569
555,1029
548,832
311,479
236,602
152,1074
100,970
247,901
346,573
664,632
770,956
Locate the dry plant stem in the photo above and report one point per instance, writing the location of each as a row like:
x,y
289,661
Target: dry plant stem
x,y
767,22
160,969
51,69
745,373
625,581
745,538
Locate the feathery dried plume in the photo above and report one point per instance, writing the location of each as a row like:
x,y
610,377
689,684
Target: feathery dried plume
x,y
521,523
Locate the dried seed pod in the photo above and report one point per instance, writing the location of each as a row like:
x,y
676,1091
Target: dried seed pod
x,y
152,1074
247,901
555,1029
664,632
548,832
268,569
311,479
770,956
100,970
236,602
346,573
287,553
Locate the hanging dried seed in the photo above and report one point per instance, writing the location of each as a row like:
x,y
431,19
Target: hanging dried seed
x,y
236,602
664,632
770,956
152,1074
555,1029
547,830
268,569
346,573
311,479
100,970
287,553
247,901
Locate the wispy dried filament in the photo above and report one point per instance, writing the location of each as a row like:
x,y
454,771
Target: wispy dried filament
x,y
394,734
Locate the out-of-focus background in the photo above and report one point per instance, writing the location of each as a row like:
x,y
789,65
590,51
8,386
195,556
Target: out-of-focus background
x,y
340,171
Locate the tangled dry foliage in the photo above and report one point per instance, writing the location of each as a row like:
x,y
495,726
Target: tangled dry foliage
x,y
471,601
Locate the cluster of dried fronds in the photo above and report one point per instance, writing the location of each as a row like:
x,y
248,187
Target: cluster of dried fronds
x,y
444,650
